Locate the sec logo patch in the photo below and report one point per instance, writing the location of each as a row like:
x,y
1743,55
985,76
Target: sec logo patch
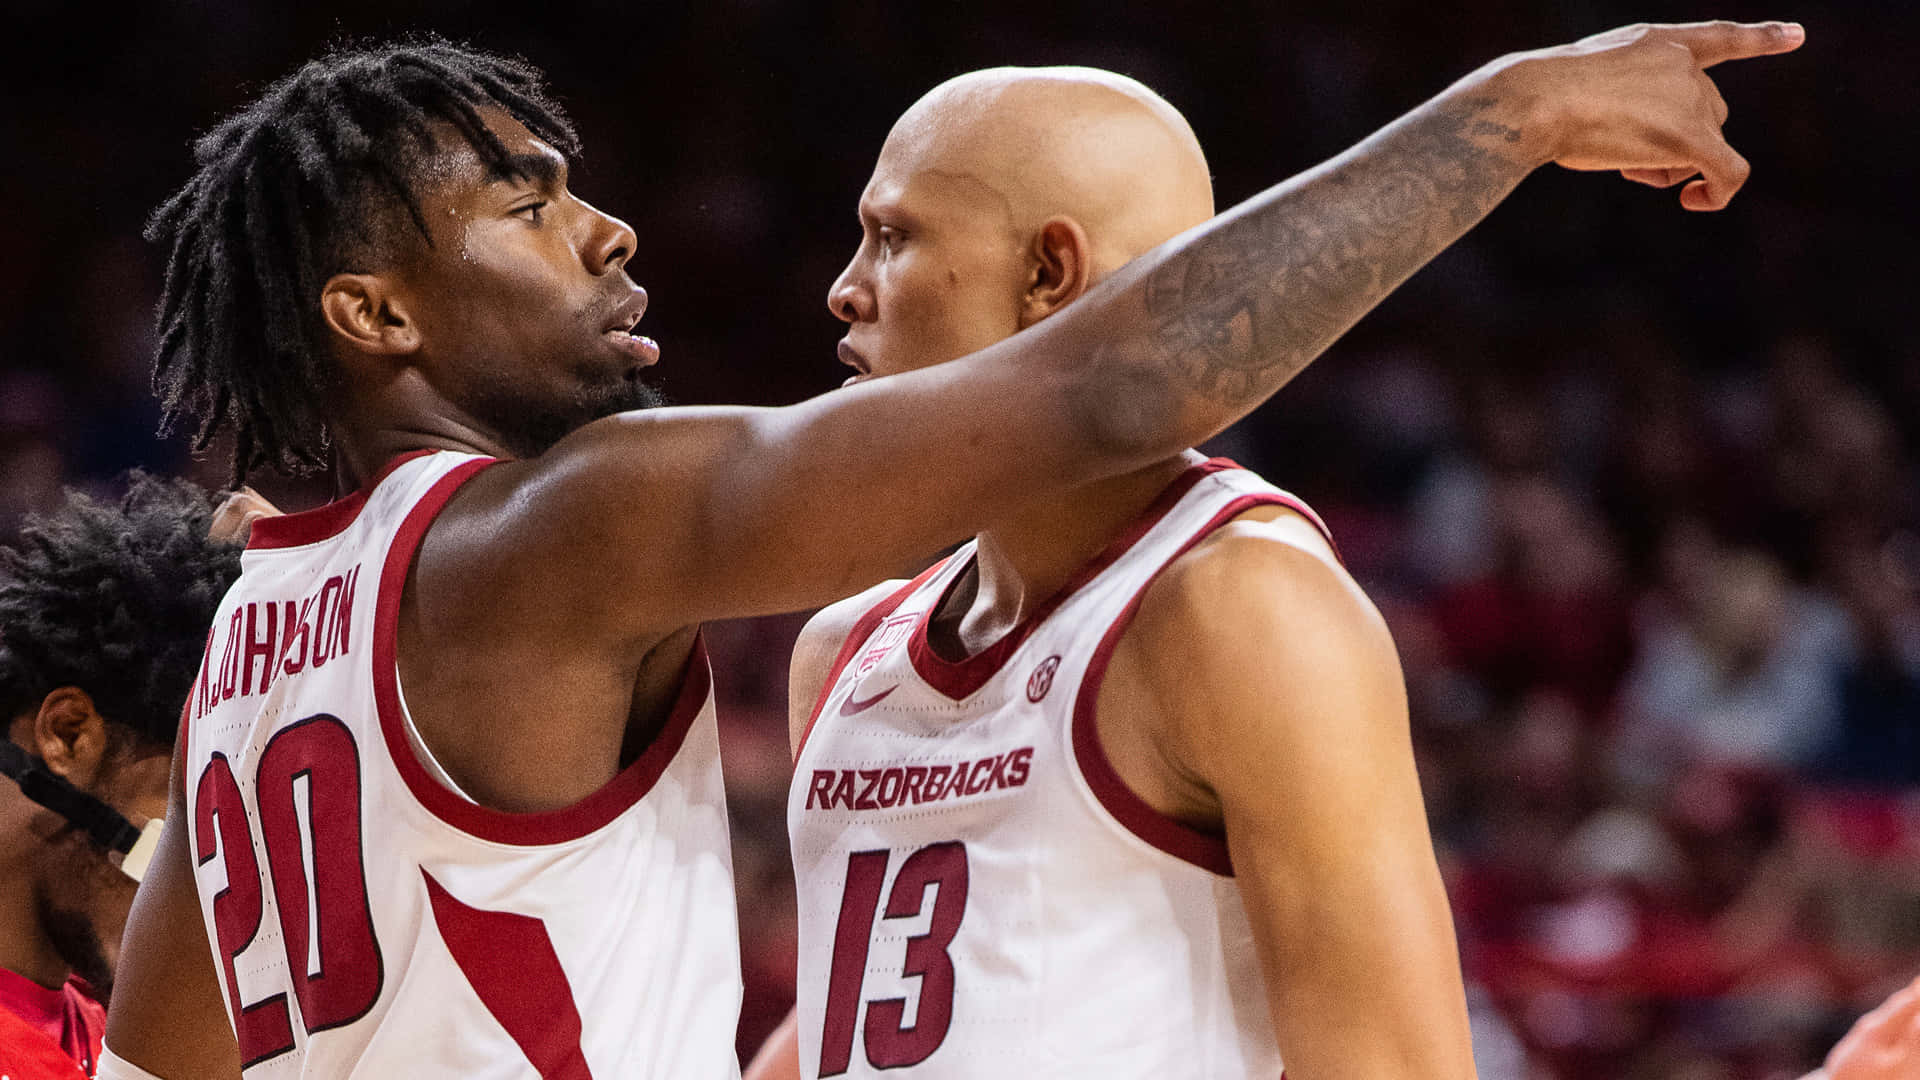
x,y
1041,680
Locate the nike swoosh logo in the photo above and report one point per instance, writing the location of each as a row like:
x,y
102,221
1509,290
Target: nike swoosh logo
x,y
851,706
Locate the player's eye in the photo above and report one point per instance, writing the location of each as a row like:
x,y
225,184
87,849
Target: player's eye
x,y
532,211
890,239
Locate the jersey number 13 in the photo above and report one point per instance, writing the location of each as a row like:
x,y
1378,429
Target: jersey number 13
x,y
890,1043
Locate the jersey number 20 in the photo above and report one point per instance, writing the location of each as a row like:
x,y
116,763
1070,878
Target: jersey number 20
x,y
889,1043
308,792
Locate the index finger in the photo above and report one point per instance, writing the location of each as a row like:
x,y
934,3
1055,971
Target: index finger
x,y
1715,42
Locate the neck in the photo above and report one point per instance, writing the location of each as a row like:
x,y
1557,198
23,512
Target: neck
x,y
360,459
1027,558
395,410
363,448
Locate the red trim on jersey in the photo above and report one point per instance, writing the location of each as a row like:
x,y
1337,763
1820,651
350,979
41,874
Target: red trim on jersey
x,y
186,710
1313,518
1203,849
546,827
509,961
959,679
856,638
322,522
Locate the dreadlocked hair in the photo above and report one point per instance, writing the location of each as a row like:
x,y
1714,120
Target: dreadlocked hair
x,y
309,181
114,598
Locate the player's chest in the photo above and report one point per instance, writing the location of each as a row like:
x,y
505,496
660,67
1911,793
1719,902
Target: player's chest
x,y
917,766
890,744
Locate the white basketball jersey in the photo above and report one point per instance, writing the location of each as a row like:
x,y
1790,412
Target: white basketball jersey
x,y
980,894
370,921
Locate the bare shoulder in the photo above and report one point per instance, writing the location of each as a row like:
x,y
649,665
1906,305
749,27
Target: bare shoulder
x,y
815,650
1257,624
1268,571
590,539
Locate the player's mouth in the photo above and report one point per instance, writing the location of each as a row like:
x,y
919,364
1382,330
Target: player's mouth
x,y
851,357
642,349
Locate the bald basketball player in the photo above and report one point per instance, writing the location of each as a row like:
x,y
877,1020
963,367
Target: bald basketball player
x,y
1124,786
448,802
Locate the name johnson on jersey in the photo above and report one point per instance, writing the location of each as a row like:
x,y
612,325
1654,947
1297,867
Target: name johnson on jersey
x,y
275,638
366,916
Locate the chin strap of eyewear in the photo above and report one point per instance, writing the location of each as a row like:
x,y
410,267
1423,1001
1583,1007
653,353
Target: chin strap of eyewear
x,y
130,848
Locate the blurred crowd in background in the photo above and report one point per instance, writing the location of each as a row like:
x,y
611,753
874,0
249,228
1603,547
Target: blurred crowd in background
x,y
1636,489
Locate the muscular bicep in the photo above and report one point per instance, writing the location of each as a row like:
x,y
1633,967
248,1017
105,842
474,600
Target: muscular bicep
x,y
167,1015
714,513
1292,713
691,514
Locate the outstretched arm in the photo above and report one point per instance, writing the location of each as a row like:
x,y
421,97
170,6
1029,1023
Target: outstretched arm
x,y
691,514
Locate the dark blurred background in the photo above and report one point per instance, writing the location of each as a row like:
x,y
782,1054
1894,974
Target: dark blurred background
x,y
1636,488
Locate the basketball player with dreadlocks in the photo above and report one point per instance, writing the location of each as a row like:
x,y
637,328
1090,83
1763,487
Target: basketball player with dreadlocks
x,y
103,613
450,801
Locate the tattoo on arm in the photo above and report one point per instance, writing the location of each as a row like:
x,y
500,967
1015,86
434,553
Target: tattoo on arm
x,y
1238,312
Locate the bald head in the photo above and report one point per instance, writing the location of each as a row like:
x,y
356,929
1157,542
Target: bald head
x,y
999,199
1038,143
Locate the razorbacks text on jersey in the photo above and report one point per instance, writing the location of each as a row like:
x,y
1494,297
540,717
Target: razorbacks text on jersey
x,y
368,919
980,894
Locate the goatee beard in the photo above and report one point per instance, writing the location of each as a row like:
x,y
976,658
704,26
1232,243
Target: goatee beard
x,y
77,943
530,429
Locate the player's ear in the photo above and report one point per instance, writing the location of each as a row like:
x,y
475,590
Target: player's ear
x,y
1060,269
70,735
369,313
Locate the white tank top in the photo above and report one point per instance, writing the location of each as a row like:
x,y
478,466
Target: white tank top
x,y
980,895
370,922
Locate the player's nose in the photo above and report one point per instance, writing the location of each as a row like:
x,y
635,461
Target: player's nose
x,y
850,299
611,242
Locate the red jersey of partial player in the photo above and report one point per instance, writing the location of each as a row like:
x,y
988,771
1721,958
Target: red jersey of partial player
x,y
980,894
370,920
48,1034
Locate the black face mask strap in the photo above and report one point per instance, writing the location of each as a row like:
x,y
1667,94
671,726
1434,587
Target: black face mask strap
x,y
105,825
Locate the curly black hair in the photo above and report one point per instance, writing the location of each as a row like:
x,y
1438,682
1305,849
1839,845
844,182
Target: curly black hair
x,y
114,598
314,178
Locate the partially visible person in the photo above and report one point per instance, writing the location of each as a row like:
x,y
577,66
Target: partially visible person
x,y
103,613
1737,673
1882,1045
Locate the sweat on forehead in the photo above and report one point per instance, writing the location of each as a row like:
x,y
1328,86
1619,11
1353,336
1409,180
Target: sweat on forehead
x,y
1090,144
451,157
